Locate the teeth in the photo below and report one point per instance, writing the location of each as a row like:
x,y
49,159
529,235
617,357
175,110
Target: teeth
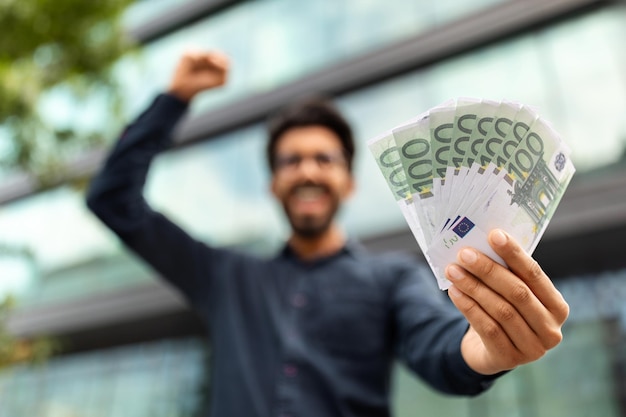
x,y
308,192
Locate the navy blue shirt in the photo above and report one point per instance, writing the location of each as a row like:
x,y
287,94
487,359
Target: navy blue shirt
x,y
289,337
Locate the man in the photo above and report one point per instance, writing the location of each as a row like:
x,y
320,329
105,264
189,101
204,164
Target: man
x,y
314,331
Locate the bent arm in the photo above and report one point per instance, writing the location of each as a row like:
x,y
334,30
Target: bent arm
x,y
116,198
116,193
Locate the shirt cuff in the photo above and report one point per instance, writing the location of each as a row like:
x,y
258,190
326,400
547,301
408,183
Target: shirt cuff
x,y
171,104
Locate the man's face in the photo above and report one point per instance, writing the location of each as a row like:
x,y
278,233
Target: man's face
x,y
311,178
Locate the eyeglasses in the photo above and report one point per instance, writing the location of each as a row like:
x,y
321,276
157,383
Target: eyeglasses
x,y
324,160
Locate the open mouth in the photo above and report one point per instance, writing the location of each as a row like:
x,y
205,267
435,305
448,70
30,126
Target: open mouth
x,y
309,198
309,193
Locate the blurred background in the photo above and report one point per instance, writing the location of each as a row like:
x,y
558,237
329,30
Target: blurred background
x,y
72,73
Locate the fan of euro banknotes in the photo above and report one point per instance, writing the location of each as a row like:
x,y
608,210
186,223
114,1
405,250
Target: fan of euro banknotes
x,y
468,166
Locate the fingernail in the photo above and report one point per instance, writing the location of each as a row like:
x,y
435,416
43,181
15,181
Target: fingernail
x,y
498,238
468,256
454,272
454,292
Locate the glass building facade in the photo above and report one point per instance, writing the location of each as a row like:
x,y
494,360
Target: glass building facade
x,y
571,66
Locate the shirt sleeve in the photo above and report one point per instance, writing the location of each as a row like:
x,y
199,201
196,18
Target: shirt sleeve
x,y
116,197
428,332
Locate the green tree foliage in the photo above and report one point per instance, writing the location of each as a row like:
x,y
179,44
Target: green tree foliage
x,y
14,350
47,45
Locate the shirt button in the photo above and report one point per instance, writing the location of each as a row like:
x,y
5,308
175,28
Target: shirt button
x,y
290,370
299,300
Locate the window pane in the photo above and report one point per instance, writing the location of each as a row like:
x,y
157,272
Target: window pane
x,y
160,379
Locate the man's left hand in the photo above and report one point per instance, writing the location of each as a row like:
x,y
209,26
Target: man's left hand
x,y
515,314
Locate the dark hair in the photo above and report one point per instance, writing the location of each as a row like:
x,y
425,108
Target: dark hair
x,y
313,111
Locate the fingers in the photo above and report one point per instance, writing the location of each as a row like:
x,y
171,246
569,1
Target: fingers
x,y
490,284
525,267
493,350
198,60
516,337
496,283
516,311
218,60
197,71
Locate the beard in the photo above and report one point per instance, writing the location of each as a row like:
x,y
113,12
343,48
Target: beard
x,y
311,226
308,226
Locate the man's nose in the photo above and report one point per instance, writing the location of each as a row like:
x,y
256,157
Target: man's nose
x,y
309,167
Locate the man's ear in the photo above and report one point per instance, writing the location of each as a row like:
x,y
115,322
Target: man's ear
x,y
350,187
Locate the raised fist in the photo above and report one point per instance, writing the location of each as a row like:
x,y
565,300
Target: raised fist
x,y
198,71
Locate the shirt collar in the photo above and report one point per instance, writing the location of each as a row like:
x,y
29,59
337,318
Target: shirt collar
x,y
351,248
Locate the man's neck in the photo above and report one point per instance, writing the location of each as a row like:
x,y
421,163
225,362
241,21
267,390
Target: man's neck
x,y
310,248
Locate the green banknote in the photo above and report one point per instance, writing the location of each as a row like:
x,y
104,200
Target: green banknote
x,y
387,156
413,142
467,114
468,166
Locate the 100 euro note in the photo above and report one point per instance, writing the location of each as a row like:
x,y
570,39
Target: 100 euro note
x,y
387,156
510,123
531,183
414,145
468,166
